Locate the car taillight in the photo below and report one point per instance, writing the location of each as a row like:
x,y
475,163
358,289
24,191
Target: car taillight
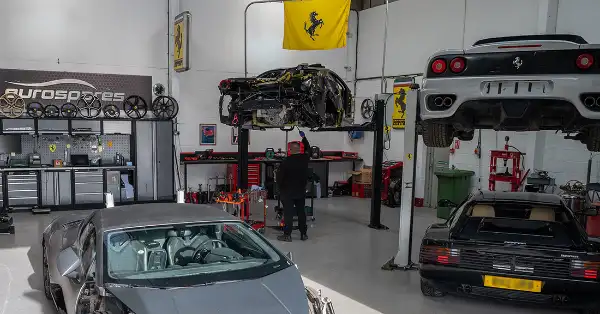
x,y
439,255
583,269
438,66
225,84
585,61
458,65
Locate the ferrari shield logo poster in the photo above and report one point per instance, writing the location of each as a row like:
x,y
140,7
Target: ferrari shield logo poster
x,y
401,88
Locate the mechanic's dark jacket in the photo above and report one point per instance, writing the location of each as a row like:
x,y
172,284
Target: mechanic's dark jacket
x,y
293,173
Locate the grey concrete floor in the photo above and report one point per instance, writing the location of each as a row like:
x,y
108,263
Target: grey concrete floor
x,y
343,257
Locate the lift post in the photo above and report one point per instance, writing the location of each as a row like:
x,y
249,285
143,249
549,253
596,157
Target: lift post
x,y
403,259
378,139
243,136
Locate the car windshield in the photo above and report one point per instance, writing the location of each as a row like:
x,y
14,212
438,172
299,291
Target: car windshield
x,y
190,254
524,223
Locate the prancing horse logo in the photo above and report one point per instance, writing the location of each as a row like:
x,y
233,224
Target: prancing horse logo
x,y
314,23
517,62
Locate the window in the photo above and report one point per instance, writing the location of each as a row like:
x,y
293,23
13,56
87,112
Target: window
x,y
188,254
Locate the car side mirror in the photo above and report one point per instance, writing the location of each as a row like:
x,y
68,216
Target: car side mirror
x,y
289,256
68,263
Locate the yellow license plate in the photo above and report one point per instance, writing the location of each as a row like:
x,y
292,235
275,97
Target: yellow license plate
x,y
512,283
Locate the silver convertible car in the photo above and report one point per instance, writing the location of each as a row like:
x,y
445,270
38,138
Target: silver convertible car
x,y
169,258
518,83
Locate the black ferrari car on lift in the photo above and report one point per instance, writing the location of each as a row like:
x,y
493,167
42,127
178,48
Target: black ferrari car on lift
x,y
306,95
514,246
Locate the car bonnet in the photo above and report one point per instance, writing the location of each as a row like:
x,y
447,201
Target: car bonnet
x,y
281,292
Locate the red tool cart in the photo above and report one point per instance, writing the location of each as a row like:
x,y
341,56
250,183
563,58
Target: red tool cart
x,y
514,177
238,204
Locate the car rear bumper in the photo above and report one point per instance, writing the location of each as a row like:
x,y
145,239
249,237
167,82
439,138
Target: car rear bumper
x,y
555,292
468,89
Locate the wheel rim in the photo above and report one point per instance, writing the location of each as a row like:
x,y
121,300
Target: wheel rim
x,y
35,110
89,106
12,105
165,107
112,111
68,110
51,111
135,107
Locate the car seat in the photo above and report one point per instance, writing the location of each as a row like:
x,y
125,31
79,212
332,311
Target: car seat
x,y
481,210
542,214
126,254
179,239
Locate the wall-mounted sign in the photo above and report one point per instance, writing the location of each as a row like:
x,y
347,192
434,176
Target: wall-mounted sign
x,y
181,36
208,134
401,88
57,88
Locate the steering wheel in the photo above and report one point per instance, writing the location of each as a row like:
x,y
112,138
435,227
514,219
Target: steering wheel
x,y
182,260
201,252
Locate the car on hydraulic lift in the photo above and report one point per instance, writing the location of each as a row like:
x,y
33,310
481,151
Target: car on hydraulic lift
x,y
168,258
517,246
516,83
306,95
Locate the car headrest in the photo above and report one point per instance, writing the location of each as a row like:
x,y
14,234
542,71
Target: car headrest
x,y
481,210
542,214
179,233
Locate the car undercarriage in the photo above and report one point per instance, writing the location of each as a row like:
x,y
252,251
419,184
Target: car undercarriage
x,y
307,96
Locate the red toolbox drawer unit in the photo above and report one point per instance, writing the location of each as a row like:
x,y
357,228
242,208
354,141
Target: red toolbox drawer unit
x,y
253,175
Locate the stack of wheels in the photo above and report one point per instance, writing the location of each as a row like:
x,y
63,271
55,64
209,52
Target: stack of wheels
x,y
12,105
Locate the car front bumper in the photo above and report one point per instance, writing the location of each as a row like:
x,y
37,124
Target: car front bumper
x,y
568,293
466,89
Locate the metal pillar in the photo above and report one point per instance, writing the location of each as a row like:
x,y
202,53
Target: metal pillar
x,y
403,259
379,119
243,135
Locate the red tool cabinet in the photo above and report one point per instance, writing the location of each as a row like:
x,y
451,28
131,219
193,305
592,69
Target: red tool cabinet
x,y
253,175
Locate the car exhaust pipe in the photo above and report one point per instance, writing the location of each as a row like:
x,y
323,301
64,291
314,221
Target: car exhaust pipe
x,y
597,101
447,102
590,101
438,101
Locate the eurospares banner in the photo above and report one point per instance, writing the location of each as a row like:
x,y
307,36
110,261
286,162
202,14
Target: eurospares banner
x,y
401,88
58,88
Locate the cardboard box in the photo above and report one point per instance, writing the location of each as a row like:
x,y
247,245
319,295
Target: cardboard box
x,y
363,176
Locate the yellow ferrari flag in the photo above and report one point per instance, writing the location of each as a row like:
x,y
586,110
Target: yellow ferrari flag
x,y
315,24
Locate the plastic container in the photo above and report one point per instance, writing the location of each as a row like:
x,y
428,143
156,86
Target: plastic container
x,y
453,185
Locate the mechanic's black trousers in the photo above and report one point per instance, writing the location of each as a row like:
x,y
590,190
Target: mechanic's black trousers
x,y
294,207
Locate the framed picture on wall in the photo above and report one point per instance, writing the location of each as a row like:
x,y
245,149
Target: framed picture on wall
x,y
208,134
235,137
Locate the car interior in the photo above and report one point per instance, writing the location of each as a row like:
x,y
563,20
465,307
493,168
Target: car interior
x,y
165,248
537,213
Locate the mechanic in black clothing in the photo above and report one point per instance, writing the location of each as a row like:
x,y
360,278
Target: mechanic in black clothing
x,y
292,178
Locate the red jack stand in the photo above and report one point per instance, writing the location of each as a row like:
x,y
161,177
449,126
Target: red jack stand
x,y
516,177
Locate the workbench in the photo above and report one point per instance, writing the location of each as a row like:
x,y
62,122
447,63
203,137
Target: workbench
x,y
324,161
21,185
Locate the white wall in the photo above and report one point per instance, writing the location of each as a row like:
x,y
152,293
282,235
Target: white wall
x,y
565,159
454,24
217,52
111,36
